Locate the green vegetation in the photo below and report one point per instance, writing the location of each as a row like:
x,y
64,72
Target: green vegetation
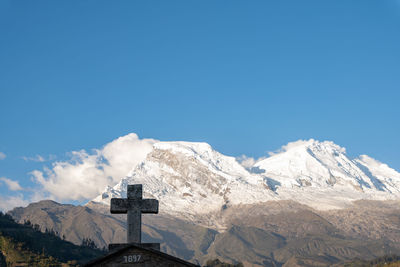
x,y
385,261
26,245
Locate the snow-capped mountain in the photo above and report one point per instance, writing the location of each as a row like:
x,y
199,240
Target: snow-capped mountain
x,y
193,179
320,174
325,164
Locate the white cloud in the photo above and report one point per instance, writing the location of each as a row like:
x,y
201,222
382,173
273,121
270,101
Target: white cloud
x,y
39,158
10,202
86,175
12,185
36,158
248,162
311,141
291,145
2,156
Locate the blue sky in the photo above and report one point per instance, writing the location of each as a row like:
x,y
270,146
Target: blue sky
x,y
245,76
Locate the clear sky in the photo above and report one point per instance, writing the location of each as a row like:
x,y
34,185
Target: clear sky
x,y
244,76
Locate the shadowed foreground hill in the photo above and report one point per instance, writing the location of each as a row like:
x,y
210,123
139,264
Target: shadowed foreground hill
x,y
26,245
385,261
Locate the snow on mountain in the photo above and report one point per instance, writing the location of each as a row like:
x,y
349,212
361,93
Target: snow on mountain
x,y
193,179
316,164
320,174
383,177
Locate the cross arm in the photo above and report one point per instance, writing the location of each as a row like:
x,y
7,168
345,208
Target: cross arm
x,y
149,206
119,205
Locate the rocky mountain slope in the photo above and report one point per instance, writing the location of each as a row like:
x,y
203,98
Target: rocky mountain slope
x,y
192,180
310,170
265,234
74,222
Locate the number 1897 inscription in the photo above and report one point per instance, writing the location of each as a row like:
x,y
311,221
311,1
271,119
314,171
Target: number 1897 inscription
x,y
132,258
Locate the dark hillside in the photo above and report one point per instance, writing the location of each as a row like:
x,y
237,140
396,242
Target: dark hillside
x,y
26,245
2,260
385,261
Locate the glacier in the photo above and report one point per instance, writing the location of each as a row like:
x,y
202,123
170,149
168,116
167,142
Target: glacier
x,y
192,180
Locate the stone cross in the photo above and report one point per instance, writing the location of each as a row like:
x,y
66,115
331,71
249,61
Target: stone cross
x,y
134,205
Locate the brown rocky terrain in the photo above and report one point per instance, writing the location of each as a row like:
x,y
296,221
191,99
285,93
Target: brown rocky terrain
x,y
275,233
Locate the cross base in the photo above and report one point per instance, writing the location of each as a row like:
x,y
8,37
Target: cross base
x,y
114,247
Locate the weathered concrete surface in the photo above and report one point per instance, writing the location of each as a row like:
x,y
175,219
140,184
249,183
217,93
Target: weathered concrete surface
x,y
135,255
134,206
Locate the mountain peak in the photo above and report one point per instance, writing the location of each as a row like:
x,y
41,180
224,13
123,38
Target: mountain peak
x,y
312,144
321,165
190,148
193,178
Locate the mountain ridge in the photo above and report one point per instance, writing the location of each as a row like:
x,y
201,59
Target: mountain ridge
x,y
191,179
263,234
